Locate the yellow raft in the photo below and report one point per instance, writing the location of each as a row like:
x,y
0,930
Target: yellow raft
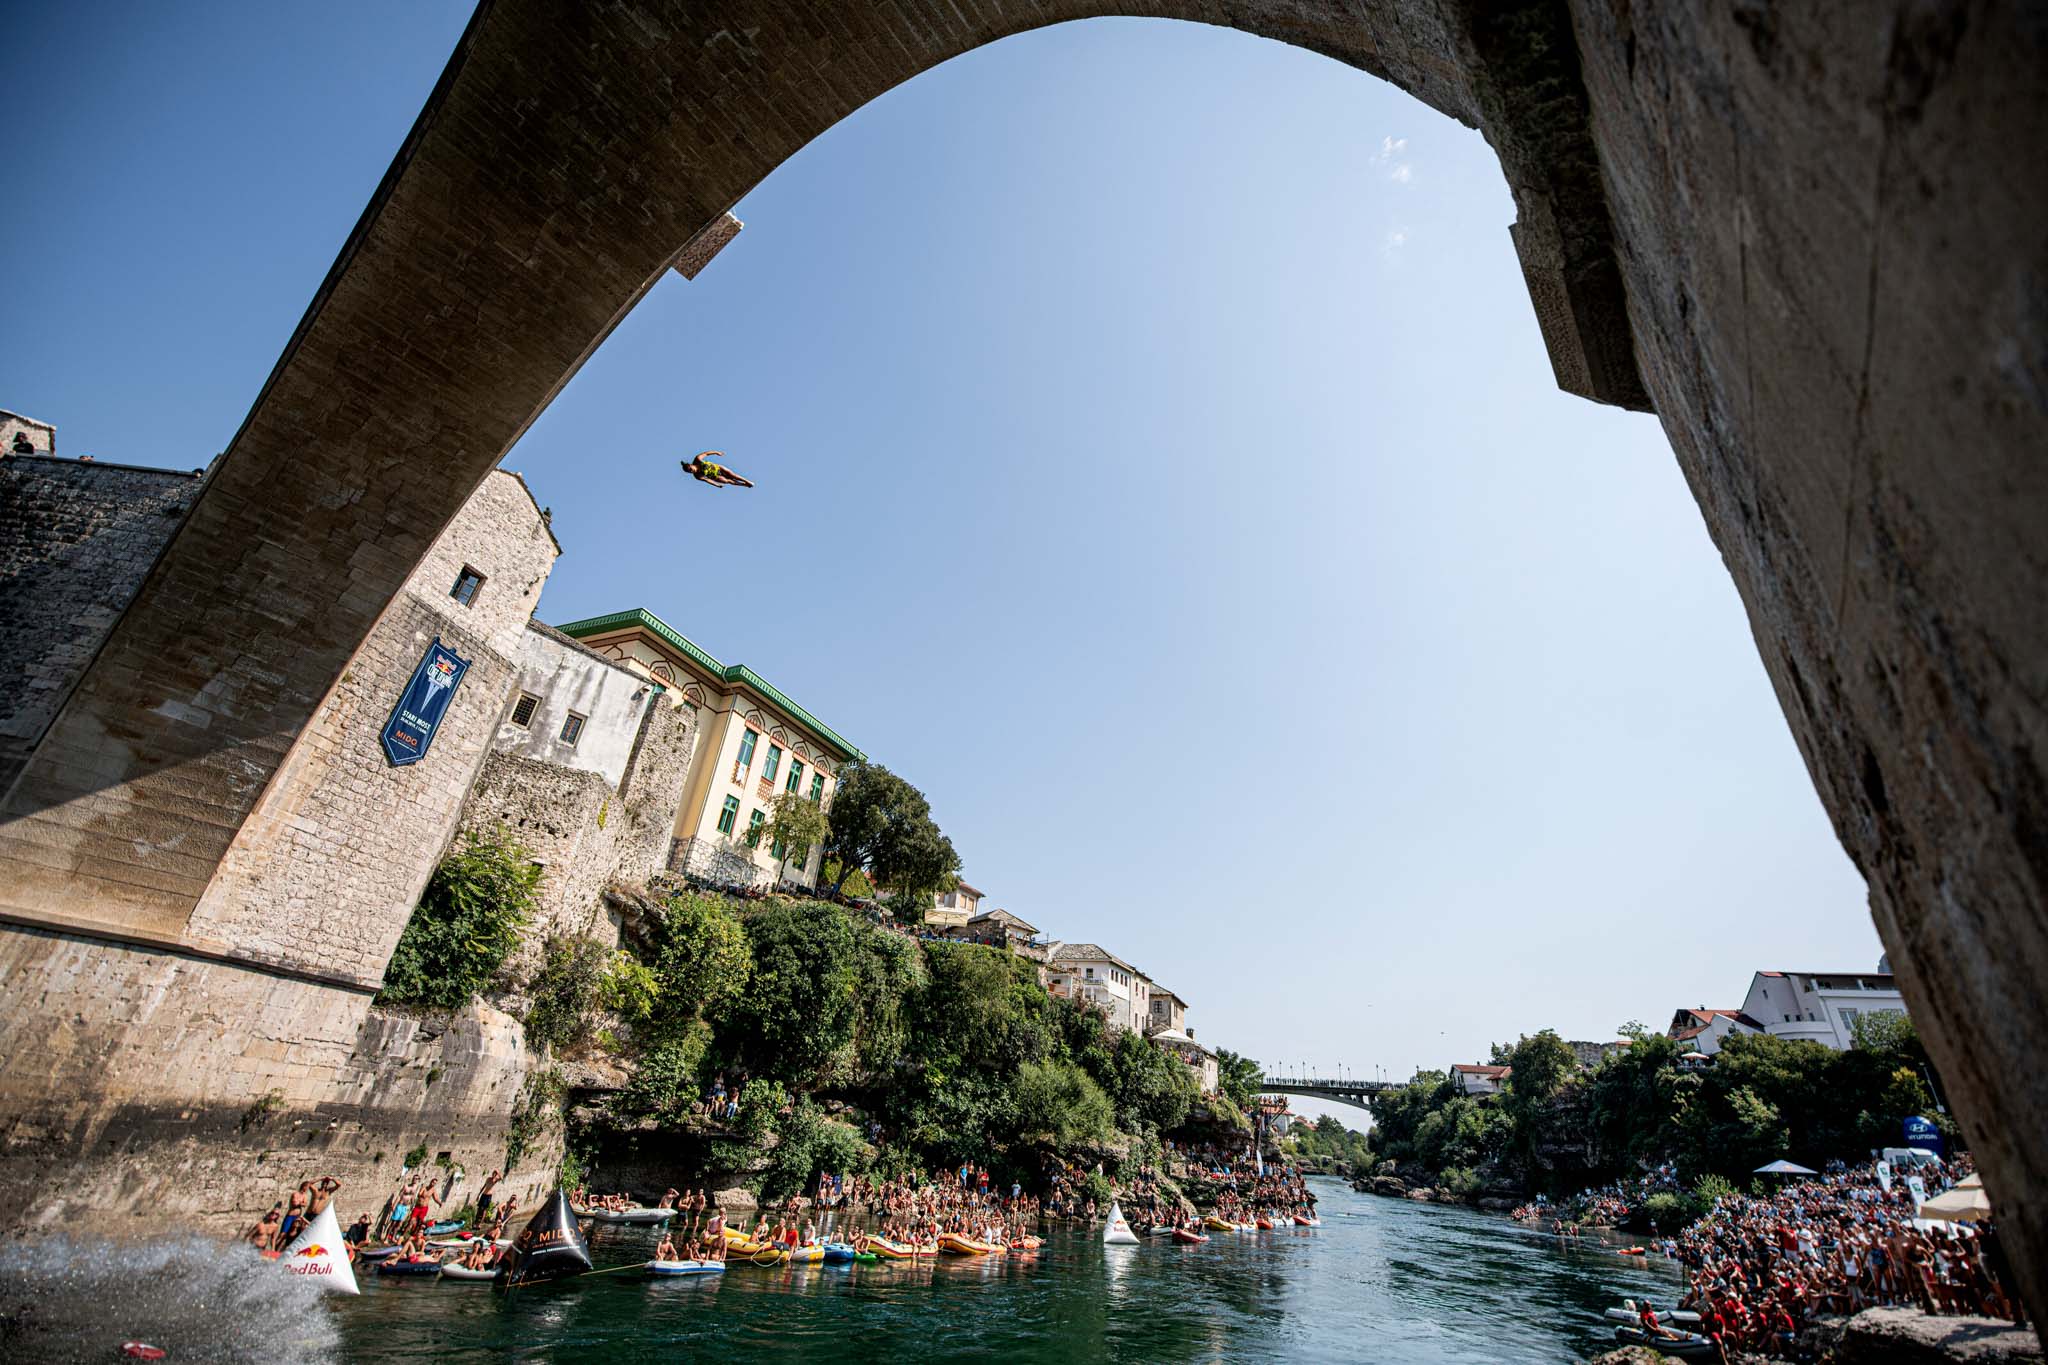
x,y
967,1246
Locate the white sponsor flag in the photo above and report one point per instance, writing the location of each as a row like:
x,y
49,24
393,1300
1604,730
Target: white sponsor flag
x,y
318,1254
1884,1175
1919,1189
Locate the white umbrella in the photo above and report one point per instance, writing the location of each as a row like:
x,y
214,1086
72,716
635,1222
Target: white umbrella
x,y
1965,1203
1782,1167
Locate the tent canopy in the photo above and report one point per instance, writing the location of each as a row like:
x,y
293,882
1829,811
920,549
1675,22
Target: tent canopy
x,y
1959,1205
1783,1167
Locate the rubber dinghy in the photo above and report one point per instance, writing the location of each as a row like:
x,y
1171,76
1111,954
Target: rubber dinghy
x,y
1117,1233
640,1217
669,1269
318,1254
452,1271
1685,1346
548,1248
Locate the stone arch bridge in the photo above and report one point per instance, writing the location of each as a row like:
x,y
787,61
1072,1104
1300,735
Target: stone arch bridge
x,y
1797,233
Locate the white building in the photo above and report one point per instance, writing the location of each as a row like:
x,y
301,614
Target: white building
x,y
1702,1030
1822,1007
952,909
1478,1080
1091,973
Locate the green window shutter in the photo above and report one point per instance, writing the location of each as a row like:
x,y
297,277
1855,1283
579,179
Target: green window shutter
x,y
729,815
796,774
774,762
817,786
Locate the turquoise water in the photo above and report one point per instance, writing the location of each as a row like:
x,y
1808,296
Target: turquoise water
x,y
1381,1280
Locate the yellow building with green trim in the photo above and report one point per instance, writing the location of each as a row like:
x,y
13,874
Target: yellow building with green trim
x,y
753,743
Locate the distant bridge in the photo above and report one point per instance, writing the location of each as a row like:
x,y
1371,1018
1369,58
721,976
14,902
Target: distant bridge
x,y
1347,1090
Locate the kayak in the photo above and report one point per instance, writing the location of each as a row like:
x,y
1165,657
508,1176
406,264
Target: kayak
x,y
464,1273
966,1246
1188,1235
1684,1346
409,1268
667,1268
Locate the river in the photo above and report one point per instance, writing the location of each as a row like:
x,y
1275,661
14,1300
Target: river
x,y
1380,1280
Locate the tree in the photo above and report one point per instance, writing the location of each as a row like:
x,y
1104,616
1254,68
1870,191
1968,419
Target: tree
x,y
795,825
467,922
1238,1076
883,826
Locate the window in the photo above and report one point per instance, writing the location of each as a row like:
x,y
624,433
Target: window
x,y
778,848
747,742
729,817
796,776
774,762
754,823
817,786
523,709
572,728
467,584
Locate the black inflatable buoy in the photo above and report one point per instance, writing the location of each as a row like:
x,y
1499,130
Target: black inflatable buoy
x,y
548,1248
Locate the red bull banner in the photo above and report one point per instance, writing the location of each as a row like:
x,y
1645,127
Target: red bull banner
x,y
317,1254
417,717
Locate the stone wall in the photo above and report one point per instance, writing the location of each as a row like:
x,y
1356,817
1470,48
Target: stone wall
x,y
327,869
76,539
585,832
215,1086
725,862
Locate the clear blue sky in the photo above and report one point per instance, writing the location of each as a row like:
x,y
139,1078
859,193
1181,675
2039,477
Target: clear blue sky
x,y
1158,464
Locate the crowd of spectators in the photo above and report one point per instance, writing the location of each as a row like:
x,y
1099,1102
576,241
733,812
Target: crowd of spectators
x,y
1761,1268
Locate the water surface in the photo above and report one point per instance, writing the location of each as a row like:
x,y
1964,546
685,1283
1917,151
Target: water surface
x,y
1381,1280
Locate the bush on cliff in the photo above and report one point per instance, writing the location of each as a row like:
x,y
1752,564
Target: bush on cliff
x,y
466,925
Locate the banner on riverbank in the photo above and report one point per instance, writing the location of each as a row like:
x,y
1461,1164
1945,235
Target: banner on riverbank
x,y
317,1254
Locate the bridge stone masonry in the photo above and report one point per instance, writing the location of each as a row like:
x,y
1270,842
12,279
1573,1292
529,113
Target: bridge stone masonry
x,y
1803,235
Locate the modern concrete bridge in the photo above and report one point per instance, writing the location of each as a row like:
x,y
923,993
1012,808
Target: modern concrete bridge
x,y
1342,1090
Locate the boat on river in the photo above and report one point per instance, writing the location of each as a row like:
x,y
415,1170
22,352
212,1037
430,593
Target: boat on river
x,y
1683,1346
1188,1236
671,1269
639,1217
960,1245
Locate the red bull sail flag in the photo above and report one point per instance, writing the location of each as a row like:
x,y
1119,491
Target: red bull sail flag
x,y
318,1255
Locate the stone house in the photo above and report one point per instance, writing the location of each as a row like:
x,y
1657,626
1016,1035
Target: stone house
x,y
1091,973
951,909
1478,1080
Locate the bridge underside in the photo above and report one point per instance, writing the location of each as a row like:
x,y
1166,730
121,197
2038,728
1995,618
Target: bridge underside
x,y
1801,236
1357,1094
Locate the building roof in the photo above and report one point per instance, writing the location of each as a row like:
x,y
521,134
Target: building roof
x,y
730,674
1006,919
1159,990
1492,1071
967,890
1091,952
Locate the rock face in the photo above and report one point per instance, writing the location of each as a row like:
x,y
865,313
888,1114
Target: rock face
x,y
1904,1336
1392,1186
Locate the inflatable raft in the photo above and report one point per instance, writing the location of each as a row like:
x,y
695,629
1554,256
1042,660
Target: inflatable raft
x,y
1188,1235
667,1269
465,1275
958,1245
641,1217
402,1267
1684,1346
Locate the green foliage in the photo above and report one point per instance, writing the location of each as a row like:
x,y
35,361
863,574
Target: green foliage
x,y
1059,1105
795,825
699,955
466,924
667,1077
1328,1138
629,988
808,1142
883,826
566,993
1668,1212
1153,1091
1238,1077
797,1015
1459,1180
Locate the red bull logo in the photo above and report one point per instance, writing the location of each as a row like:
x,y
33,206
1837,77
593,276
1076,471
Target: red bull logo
x,y
311,1249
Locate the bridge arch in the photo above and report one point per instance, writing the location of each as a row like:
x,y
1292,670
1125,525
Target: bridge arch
x,y
1801,243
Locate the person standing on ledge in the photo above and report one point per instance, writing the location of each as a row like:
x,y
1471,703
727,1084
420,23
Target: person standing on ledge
x,y
704,469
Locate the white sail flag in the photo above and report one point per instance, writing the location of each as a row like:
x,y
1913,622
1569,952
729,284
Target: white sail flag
x,y
1118,1233
318,1254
